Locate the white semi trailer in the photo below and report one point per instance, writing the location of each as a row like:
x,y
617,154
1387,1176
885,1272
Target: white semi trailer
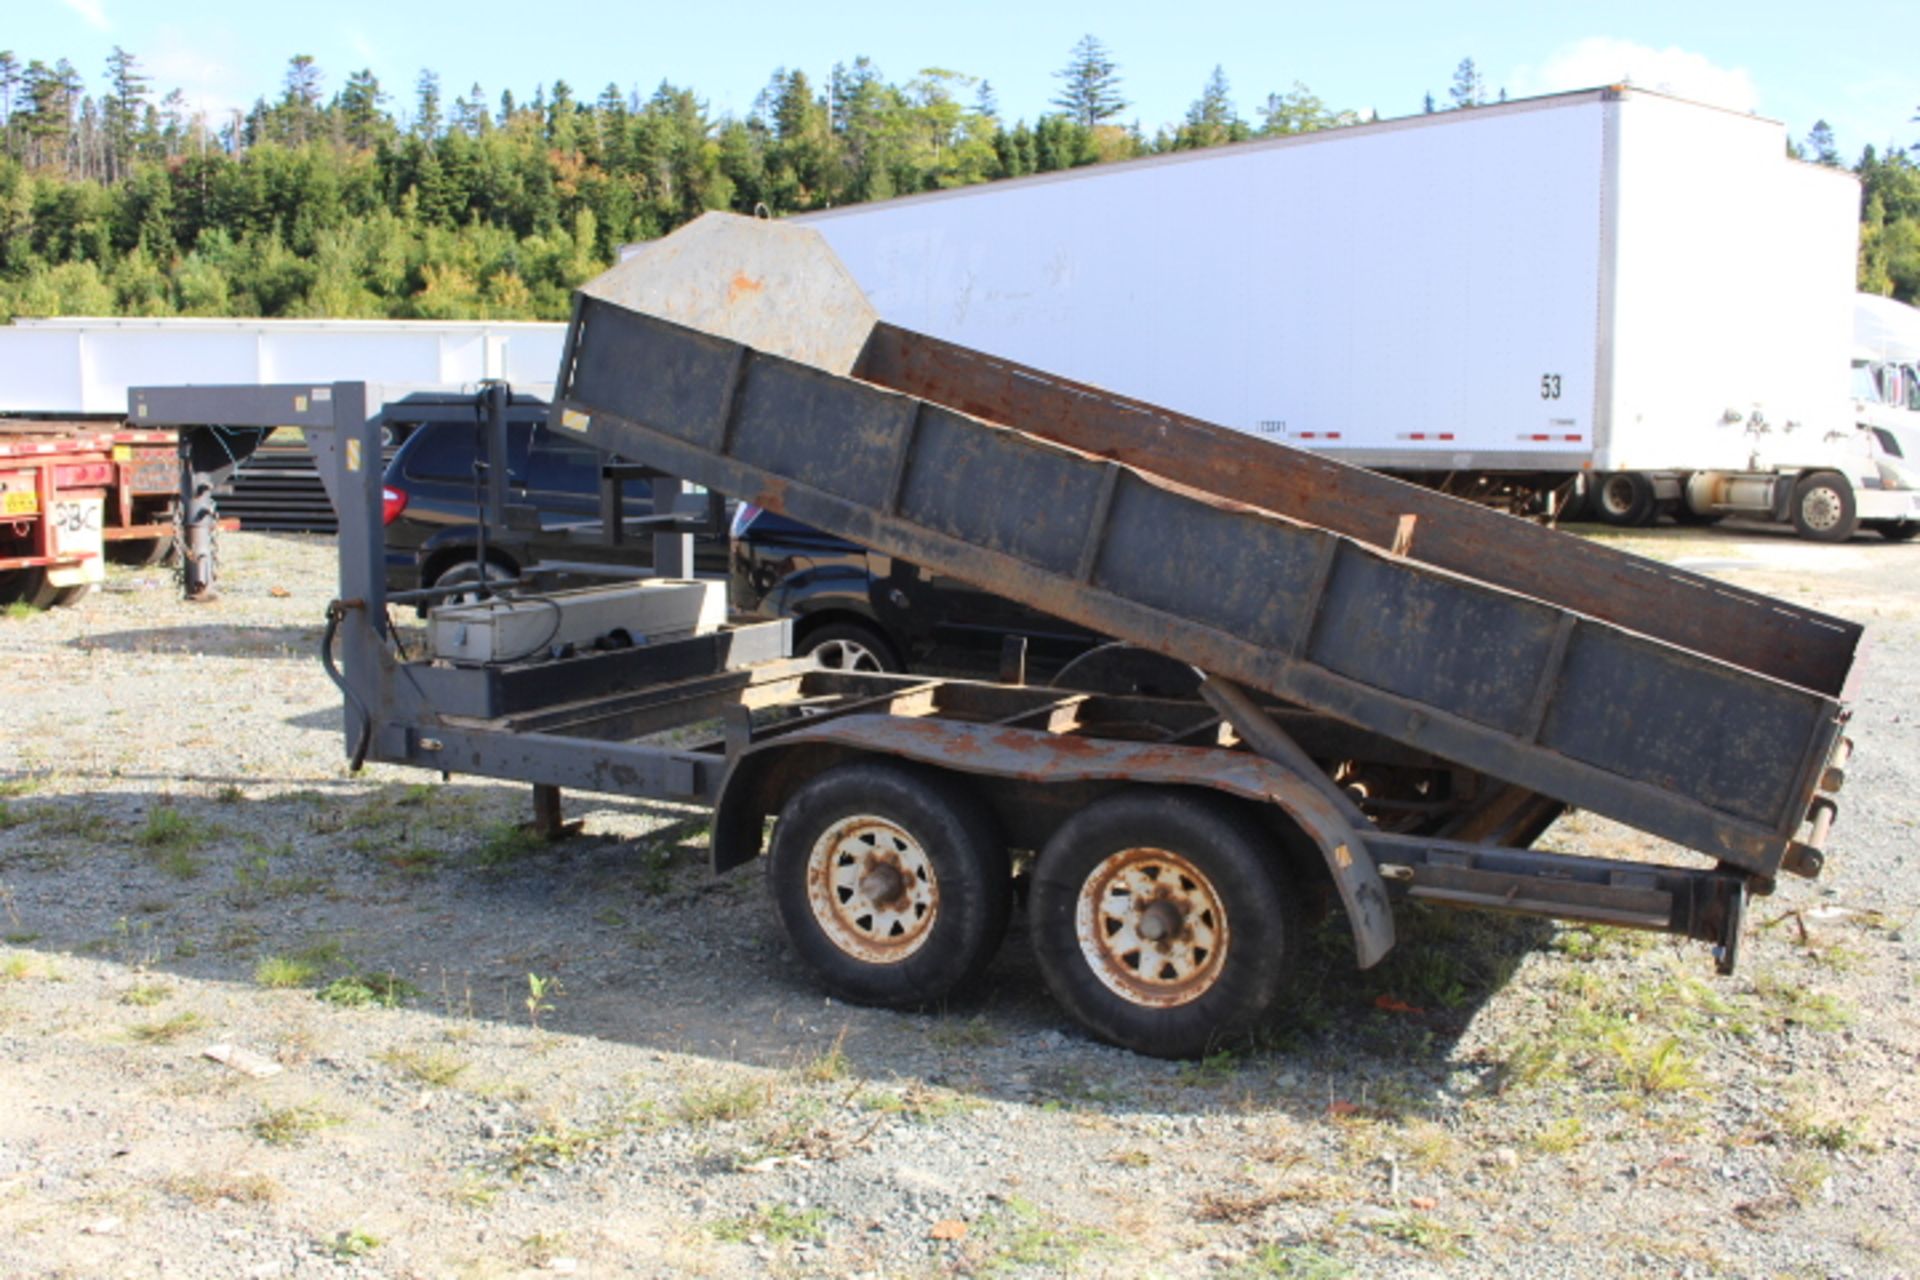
x,y
1613,293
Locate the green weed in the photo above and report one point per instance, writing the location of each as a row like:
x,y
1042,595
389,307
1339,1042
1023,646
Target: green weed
x,y
369,991
430,1067
776,1224
735,1100
284,972
1290,1262
292,1125
166,1031
505,843
353,1244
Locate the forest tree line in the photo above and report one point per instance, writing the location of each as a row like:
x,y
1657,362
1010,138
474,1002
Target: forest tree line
x,y
453,204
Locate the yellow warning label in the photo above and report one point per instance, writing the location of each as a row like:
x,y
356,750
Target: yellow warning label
x,y
353,455
574,420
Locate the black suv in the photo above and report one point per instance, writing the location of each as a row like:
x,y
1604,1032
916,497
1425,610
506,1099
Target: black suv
x,y
860,610
432,501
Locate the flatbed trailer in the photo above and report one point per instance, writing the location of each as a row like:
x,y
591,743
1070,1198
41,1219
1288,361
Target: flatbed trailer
x,y
1358,690
74,491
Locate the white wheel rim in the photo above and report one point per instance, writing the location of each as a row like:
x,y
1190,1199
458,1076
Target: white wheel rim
x,y
1820,508
1152,928
872,889
845,655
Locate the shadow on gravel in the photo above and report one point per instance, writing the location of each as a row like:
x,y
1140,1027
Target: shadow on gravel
x,y
432,896
213,640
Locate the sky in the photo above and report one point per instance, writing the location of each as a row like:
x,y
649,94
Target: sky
x,y
1851,65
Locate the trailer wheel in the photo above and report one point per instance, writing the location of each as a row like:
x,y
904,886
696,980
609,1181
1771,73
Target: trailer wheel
x,y
1163,921
891,882
30,587
1624,499
1823,507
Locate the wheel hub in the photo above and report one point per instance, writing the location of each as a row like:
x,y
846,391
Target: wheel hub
x,y
1820,509
1152,927
872,889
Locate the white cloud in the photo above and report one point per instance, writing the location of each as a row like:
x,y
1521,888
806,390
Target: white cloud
x,y
362,47
1600,60
201,64
91,12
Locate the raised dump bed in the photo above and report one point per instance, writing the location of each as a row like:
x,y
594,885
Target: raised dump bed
x,y
740,355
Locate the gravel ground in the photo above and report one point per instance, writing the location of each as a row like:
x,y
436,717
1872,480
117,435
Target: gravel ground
x,y
454,1053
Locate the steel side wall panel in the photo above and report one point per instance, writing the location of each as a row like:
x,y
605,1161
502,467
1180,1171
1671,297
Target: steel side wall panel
x,y
1728,623
1643,711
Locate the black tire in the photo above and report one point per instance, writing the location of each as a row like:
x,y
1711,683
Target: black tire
x,y
140,552
849,646
939,920
30,587
1823,507
1226,888
1897,530
469,571
1624,499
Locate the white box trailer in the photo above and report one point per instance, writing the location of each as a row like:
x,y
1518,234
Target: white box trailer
x,y
1613,289
85,364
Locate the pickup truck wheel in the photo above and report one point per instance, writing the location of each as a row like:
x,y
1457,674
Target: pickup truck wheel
x,y
1164,922
1823,507
890,881
472,572
848,646
1624,499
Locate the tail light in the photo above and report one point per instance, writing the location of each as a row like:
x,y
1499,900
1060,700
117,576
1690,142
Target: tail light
x,y
83,475
392,502
743,517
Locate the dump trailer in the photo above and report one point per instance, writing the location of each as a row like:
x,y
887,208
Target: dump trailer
x,y
1335,690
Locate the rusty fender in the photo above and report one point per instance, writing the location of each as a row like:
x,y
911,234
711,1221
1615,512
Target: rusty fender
x,y
764,772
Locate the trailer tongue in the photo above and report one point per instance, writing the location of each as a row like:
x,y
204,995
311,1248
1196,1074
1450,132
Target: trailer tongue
x,y
1400,692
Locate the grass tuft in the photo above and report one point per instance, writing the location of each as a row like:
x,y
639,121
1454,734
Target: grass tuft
x,y
289,1126
369,991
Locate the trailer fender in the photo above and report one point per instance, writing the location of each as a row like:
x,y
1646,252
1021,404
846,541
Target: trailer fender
x,y
766,772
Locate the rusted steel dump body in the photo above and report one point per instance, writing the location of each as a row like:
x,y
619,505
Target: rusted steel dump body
x,y
1672,703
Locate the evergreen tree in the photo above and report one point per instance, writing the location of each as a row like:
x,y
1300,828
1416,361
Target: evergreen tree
x,y
1090,85
298,117
426,117
357,106
1212,119
1467,90
1820,147
126,108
